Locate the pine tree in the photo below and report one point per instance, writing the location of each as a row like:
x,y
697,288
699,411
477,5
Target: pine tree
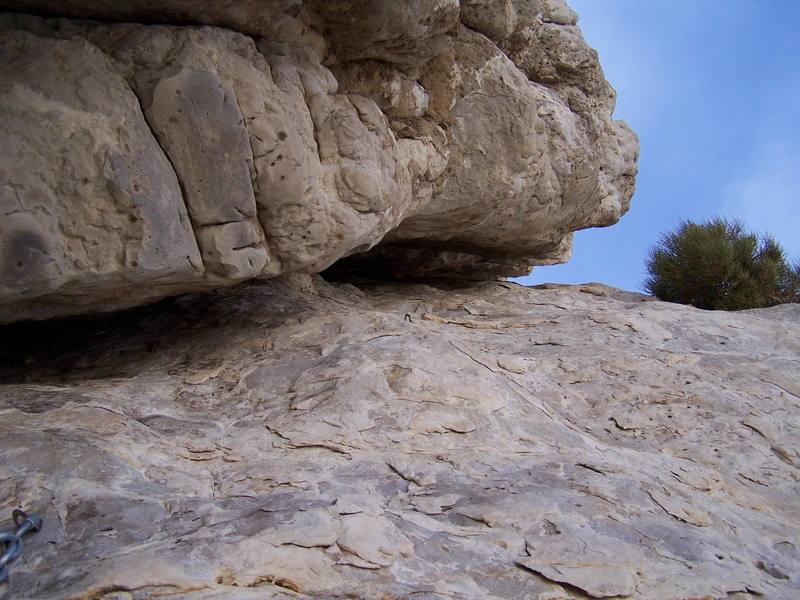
x,y
718,265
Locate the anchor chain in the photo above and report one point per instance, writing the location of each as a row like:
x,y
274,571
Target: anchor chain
x,y
12,540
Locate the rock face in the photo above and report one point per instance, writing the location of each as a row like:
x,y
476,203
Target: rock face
x,y
257,138
406,442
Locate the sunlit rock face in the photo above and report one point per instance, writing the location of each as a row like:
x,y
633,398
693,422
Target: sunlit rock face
x,y
234,141
404,441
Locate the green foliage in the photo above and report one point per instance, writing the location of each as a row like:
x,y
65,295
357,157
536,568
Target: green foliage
x,y
718,265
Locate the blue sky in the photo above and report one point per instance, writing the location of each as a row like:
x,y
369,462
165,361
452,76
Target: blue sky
x,y
712,87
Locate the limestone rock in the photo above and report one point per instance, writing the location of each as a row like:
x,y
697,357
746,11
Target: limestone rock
x,y
89,201
495,20
297,438
245,140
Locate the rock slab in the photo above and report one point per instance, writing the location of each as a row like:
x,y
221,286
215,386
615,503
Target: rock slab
x,y
303,439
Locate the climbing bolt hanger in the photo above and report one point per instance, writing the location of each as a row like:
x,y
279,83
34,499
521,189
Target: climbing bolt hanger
x,y
12,540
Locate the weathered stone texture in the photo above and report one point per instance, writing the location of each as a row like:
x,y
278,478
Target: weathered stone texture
x,y
406,442
294,134
88,199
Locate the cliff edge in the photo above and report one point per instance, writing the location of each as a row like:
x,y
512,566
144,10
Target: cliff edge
x,y
156,148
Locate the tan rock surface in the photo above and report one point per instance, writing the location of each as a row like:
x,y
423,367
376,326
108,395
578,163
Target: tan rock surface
x,y
406,441
140,160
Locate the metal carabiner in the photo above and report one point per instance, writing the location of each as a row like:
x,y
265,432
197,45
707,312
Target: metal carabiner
x,y
12,541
